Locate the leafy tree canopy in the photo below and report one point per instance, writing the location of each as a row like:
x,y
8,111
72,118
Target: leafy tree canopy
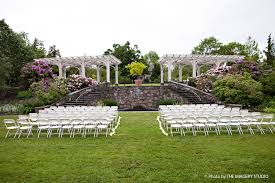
x,y
126,54
136,68
53,52
16,50
151,57
270,51
212,46
208,46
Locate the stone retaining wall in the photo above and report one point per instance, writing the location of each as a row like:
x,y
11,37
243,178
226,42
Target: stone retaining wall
x,y
146,97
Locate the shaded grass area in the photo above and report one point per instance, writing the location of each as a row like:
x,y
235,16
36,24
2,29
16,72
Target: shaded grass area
x,y
138,152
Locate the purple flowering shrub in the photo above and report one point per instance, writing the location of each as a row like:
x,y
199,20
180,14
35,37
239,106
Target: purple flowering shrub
x,y
205,81
37,71
77,82
242,66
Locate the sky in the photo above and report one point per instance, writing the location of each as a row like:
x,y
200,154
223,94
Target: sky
x,y
90,27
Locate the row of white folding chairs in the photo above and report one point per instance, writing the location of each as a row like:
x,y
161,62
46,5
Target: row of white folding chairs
x,y
202,109
191,105
209,114
242,113
72,127
68,113
81,107
77,108
254,118
82,111
218,122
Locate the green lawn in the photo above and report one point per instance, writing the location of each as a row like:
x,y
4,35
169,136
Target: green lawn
x,y
138,152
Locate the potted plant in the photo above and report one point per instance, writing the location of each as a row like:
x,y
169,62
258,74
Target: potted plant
x,y
136,70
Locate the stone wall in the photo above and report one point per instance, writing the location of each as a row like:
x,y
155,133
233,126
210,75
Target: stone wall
x,y
142,97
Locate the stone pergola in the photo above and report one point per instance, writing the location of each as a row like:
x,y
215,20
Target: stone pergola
x,y
196,61
85,61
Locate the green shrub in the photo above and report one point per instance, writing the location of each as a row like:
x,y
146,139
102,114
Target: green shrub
x,y
167,102
125,80
268,82
24,94
269,109
238,89
109,102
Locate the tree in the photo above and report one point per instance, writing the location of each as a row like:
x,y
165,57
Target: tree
x,y
252,51
151,57
53,52
208,46
136,68
38,49
126,54
232,48
270,51
14,53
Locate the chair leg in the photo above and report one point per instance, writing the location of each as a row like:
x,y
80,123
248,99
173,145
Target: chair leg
x,y
270,129
183,131
7,134
29,132
20,132
15,133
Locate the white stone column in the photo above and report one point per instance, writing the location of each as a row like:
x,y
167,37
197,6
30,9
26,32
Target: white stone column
x,y
59,70
98,74
198,70
116,74
194,65
180,73
83,69
169,71
108,72
64,72
161,74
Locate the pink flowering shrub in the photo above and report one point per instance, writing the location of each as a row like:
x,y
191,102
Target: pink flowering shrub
x,y
77,82
37,71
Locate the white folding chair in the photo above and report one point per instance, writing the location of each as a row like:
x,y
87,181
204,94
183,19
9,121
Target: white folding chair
x,y
90,125
77,128
200,123
43,125
266,120
65,125
236,122
24,126
11,125
55,127
188,124
223,123
212,122
101,127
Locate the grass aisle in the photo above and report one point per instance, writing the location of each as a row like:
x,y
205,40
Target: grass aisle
x,y
138,152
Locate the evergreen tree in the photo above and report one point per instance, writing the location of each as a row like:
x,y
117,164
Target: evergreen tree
x,y
270,51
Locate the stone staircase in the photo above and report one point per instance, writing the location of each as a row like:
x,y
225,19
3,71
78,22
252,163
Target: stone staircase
x,y
86,96
193,95
85,99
